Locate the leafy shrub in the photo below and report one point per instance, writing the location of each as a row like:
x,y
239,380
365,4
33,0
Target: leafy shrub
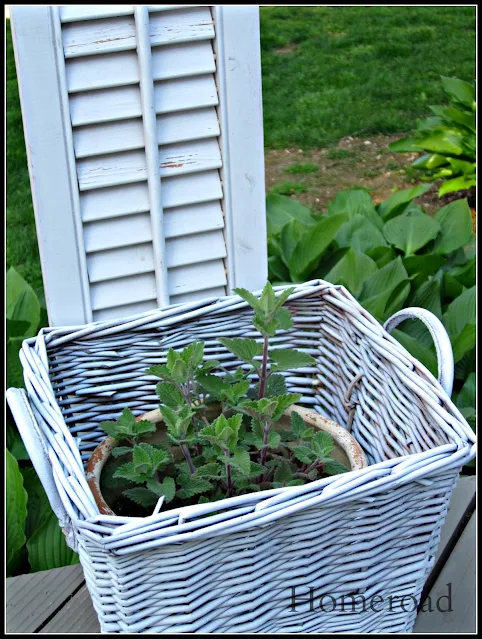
x,y
447,140
238,451
389,256
34,539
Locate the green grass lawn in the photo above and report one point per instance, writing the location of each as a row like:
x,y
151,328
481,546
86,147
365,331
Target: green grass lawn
x,y
328,72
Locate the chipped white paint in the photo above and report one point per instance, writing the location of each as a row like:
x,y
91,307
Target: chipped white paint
x,y
163,133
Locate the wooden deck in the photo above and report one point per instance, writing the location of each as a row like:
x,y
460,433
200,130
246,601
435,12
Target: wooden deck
x,y
57,601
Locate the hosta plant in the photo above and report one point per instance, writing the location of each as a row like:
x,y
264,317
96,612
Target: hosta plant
x,y
447,140
223,434
389,255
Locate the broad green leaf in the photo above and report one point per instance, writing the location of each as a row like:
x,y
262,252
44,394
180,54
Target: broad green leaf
x,y
192,355
382,255
467,395
409,234
465,274
420,267
310,249
460,183
141,496
428,297
274,439
15,443
470,416
276,385
290,236
397,299
16,509
448,142
38,506
397,203
14,366
127,426
287,359
21,303
460,313
209,471
166,488
213,385
169,395
360,234
298,426
462,91
192,486
244,348
47,548
118,451
17,328
283,318
129,471
405,145
455,227
429,161
355,202
247,296
277,270
352,270
280,210
422,353
464,342
465,118
379,288
304,454
452,288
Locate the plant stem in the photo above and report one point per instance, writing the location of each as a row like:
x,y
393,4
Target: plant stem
x,y
187,456
262,376
228,475
264,452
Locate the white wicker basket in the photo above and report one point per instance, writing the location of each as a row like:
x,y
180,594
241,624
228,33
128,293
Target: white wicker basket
x,y
362,540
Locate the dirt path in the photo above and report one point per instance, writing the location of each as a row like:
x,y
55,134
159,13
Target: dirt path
x,y
314,176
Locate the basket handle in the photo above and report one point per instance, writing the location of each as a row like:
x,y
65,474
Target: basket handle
x,y
35,444
443,347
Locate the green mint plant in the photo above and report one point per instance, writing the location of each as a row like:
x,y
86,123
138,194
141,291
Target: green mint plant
x,y
222,425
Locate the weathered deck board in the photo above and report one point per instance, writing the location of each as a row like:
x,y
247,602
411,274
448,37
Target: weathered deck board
x,y
56,602
77,616
32,599
457,614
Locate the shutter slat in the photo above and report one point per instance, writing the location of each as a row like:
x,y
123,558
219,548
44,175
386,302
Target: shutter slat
x,y
127,135
71,13
124,231
193,249
121,262
120,69
123,103
84,38
220,291
191,189
196,277
124,311
126,290
102,204
196,218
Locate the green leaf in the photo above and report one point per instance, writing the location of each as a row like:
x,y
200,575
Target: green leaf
x,y
420,267
241,461
467,395
462,91
409,234
379,288
322,444
428,297
280,210
209,471
353,203
423,354
127,426
465,274
352,270
129,471
382,255
118,451
334,467
15,443
169,395
14,366
304,454
455,226
142,496
21,303
47,548
288,359
245,349
397,300
297,425
464,342
166,488
192,486
360,234
192,355
38,506
312,246
16,509
405,145
460,313
283,319
274,439
283,473
17,328
213,385
276,385
277,270
291,235
397,203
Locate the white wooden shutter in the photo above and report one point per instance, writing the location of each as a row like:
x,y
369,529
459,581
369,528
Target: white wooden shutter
x,y
144,136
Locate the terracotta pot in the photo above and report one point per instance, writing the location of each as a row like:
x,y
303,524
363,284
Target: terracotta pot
x,y
346,449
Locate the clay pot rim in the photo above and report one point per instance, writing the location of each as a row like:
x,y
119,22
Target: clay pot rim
x,y
342,437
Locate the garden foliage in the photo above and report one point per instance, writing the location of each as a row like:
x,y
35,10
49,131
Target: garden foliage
x,y
389,256
447,140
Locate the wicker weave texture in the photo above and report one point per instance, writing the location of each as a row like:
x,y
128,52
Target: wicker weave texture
x,y
372,532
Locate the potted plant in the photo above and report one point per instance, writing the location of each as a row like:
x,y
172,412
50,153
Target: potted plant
x,y
220,433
